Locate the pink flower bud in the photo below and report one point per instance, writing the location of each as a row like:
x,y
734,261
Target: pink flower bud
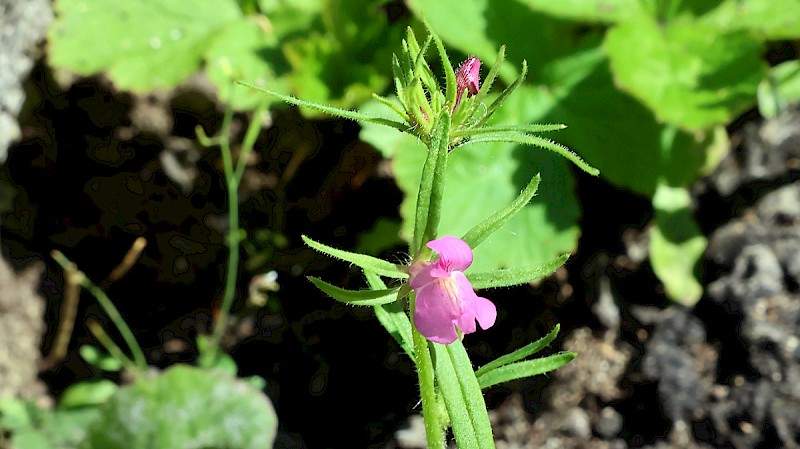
x,y
468,78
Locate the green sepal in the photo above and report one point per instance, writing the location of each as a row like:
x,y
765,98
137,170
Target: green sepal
x,y
462,396
399,80
521,353
449,71
486,85
393,317
356,297
431,188
379,266
504,95
524,369
506,277
527,139
479,232
338,112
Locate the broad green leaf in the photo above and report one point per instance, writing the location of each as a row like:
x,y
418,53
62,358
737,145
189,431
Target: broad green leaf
x,y
185,407
690,74
527,368
592,11
244,50
676,245
14,414
480,27
779,88
506,277
482,177
356,297
384,235
143,44
345,57
521,353
614,132
87,393
773,19
379,266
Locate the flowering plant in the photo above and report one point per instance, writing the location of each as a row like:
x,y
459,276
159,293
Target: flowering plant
x,y
434,304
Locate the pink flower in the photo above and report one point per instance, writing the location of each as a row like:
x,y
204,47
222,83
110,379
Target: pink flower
x,y
445,298
468,78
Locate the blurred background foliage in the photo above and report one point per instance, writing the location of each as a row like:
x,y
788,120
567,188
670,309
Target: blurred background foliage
x,y
646,88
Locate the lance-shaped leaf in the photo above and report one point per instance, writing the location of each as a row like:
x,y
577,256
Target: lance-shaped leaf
x,y
379,266
521,353
449,71
503,95
338,112
525,129
506,277
462,397
479,232
527,368
356,297
527,139
393,317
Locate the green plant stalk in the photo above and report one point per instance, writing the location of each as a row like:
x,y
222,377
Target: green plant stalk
x,y
434,428
107,305
233,177
100,334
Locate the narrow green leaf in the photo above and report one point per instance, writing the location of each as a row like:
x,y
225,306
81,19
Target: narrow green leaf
x,y
524,369
504,95
531,128
506,277
399,80
356,297
450,387
527,139
338,112
379,266
449,72
472,394
491,76
478,234
469,391
521,353
391,105
392,317
431,189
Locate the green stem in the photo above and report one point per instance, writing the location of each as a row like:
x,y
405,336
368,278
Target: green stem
x,y
434,428
107,305
233,177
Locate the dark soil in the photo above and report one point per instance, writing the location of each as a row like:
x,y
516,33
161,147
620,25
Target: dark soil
x,y
95,169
